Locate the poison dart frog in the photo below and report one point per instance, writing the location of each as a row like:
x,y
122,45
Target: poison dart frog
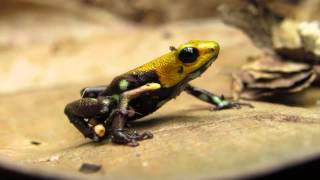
x,y
105,111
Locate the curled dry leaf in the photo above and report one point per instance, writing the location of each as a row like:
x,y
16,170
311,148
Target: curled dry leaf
x,y
293,48
277,33
267,63
268,76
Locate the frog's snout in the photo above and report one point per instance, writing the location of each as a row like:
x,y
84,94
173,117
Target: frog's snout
x,y
214,47
209,47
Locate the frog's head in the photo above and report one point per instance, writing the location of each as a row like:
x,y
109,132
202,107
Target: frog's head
x,y
182,64
195,57
186,62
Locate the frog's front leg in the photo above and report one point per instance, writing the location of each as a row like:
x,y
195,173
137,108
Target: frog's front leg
x,y
119,117
219,101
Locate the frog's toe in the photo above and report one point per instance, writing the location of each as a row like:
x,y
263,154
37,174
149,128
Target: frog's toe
x,y
133,143
130,138
143,136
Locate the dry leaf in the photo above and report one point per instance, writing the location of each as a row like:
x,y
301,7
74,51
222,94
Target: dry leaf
x,y
267,76
284,39
268,63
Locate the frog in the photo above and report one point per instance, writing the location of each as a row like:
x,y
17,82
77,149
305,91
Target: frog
x,y
106,111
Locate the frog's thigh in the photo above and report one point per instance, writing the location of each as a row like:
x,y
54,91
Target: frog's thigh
x,y
84,108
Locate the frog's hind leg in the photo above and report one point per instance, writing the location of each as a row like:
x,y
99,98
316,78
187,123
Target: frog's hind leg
x,y
92,92
119,117
80,124
82,109
219,101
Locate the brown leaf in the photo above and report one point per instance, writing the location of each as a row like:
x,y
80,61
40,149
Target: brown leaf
x,y
281,82
260,75
269,63
256,93
266,76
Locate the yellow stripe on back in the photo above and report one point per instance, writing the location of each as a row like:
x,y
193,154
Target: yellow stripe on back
x,y
166,68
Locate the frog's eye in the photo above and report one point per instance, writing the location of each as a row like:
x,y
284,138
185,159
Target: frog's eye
x,y
188,54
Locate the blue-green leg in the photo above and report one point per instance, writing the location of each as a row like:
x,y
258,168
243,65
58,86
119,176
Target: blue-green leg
x,y
219,101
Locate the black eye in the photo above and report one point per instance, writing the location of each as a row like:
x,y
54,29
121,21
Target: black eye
x,y
188,54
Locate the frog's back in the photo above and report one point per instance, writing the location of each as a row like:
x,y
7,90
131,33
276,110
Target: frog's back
x,y
150,72
130,81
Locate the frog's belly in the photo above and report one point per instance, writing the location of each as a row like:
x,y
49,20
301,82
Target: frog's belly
x,y
149,103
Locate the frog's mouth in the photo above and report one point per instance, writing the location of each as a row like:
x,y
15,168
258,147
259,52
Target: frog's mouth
x,y
193,75
200,70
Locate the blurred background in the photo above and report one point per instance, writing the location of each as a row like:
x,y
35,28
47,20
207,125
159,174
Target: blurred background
x,y
49,50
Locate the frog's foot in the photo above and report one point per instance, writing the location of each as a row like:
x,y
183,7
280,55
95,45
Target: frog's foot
x,y
225,104
129,138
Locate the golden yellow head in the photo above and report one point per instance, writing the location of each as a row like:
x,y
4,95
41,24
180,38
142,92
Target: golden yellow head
x,y
196,54
189,60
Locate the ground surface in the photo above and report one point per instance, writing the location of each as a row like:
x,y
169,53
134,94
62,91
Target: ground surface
x,y
47,57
